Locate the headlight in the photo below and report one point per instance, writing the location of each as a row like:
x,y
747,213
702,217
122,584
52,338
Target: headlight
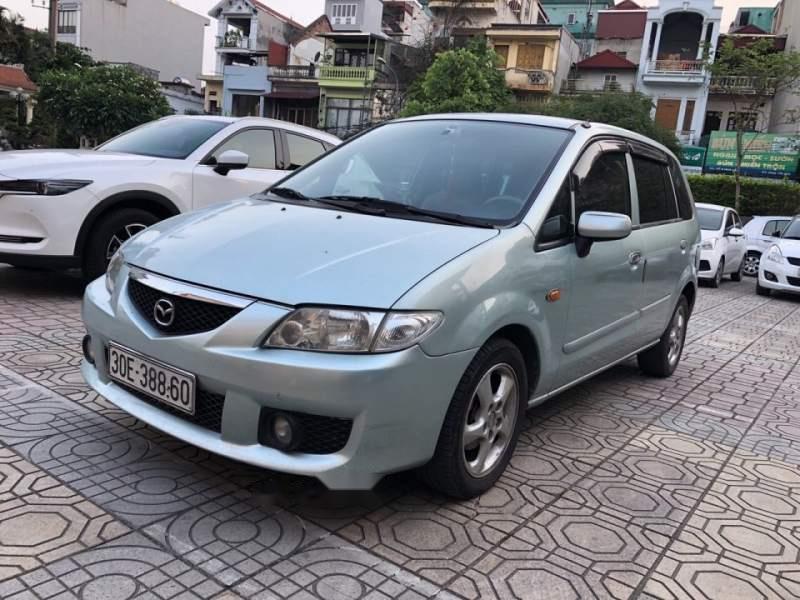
x,y
114,267
774,255
42,187
708,244
356,331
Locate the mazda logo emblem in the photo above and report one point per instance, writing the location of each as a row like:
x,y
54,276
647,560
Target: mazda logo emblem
x,y
164,312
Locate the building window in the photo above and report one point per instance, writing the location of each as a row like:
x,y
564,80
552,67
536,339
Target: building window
x,y
530,57
610,82
343,115
571,19
344,14
621,53
502,52
748,121
348,57
67,21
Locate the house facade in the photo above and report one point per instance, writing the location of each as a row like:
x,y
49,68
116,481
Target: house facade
x,y
536,58
620,29
603,72
678,36
579,17
16,87
157,34
785,117
459,21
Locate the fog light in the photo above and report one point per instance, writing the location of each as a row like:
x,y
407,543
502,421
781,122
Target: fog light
x,y
770,276
86,345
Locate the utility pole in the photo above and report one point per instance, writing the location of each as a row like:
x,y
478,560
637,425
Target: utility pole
x,y
52,28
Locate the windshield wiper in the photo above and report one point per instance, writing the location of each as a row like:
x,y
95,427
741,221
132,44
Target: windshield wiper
x,y
374,205
287,192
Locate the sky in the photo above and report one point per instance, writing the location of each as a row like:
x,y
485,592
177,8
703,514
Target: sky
x,y
305,11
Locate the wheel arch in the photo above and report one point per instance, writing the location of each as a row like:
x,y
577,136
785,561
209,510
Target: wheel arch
x,y
158,204
522,337
690,291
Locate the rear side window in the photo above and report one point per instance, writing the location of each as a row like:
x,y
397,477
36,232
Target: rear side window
x,y
605,187
773,227
681,191
656,199
302,150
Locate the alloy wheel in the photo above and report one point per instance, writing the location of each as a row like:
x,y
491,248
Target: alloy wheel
x,y
491,420
677,334
751,264
121,236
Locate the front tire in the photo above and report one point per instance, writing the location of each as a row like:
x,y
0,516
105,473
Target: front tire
x,y
751,264
717,279
662,359
738,275
482,424
108,234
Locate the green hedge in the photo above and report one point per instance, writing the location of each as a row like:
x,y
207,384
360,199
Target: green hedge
x,y
759,196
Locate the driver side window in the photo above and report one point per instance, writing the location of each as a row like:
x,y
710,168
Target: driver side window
x,y
603,186
258,144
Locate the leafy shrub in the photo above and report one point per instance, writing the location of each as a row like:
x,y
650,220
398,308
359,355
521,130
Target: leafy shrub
x,y
759,196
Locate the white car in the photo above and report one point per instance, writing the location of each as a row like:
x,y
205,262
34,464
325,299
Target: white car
x,y
761,233
723,245
74,208
780,265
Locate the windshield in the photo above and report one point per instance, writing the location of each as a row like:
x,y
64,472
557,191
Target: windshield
x,y
710,218
792,232
480,170
170,138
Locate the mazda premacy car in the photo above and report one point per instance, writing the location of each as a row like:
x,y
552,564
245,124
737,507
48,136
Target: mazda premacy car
x,y
401,301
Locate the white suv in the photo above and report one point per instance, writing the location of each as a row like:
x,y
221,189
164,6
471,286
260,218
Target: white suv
x,y
723,247
74,208
761,233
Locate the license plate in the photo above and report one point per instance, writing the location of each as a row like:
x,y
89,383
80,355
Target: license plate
x,y
149,376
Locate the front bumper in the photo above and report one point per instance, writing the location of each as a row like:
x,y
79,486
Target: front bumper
x,y
709,261
781,276
396,401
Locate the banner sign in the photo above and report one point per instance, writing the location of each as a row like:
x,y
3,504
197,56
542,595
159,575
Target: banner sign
x,y
766,154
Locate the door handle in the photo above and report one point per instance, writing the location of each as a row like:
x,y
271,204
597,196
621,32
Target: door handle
x,y
635,258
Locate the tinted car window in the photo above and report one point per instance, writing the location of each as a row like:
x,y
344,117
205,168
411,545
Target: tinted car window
x,y
773,227
258,144
303,150
171,138
729,221
605,187
557,225
792,231
475,169
656,199
710,218
681,191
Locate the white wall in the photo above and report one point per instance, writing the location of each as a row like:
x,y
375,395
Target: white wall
x,y
568,54
786,101
594,79
632,48
156,34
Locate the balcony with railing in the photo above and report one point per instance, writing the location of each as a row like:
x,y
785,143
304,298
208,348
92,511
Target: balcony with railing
x,y
346,76
675,70
463,4
295,72
530,80
233,42
586,86
743,85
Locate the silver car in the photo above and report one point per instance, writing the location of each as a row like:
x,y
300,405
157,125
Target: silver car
x,y
401,301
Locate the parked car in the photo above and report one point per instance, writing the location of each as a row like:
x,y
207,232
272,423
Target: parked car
x,y
722,251
400,302
152,172
760,233
780,266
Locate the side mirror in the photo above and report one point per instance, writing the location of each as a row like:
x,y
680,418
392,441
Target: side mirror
x,y
231,160
601,227
736,232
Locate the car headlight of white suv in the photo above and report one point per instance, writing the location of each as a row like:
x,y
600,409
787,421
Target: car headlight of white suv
x,y
42,187
774,254
708,244
323,329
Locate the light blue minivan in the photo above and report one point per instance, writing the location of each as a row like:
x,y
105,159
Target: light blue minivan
x,y
401,301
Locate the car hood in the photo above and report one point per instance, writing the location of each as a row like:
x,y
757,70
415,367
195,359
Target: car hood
x,y
707,235
790,248
293,254
38,164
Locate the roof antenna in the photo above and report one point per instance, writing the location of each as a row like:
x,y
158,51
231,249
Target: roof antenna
x,y
586,125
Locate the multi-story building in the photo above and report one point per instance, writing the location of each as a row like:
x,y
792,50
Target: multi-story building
x,y
536,58
759,16
251,37
460,20
157,34
579,17
785,116
620,29
407,21
678,37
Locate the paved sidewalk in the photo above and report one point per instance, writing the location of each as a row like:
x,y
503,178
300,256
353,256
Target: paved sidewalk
x,y
624,487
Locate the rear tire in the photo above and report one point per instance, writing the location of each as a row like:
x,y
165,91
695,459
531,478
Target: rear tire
x,y
715,281
471,430
762,291
108,234
751,263
662,359
738,275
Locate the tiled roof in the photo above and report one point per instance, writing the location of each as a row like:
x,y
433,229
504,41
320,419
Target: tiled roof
x,y
13,76
606,60
627,5
749,30
625,24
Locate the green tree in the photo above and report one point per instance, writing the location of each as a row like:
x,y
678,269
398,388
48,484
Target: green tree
x,y
462,80
750,76
628,110
99,102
